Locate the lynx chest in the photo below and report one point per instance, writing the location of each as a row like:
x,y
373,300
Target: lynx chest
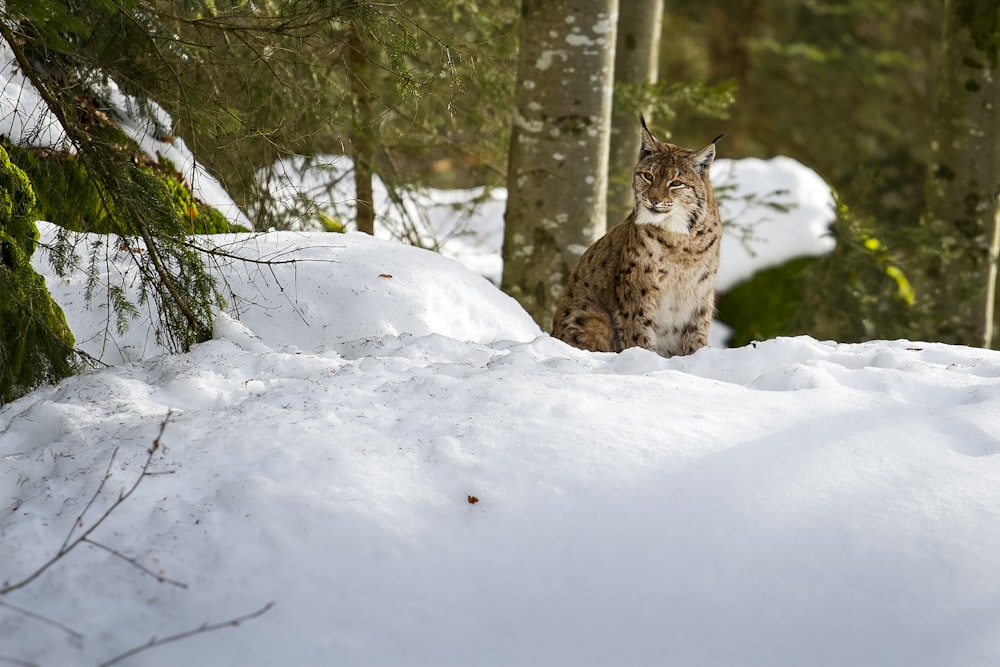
x,y
668,285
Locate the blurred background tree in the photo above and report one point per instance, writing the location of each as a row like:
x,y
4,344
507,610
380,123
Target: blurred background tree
x,y
958,236
558,166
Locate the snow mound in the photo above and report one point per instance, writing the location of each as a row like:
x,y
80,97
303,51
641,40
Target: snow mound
x,y
775,210
336,288
301,291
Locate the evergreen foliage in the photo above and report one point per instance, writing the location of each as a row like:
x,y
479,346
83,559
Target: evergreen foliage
x,y
71,53
859,291
36,345
414,93
763,306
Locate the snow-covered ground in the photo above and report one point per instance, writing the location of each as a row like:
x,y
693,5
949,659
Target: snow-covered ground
x,y
794,502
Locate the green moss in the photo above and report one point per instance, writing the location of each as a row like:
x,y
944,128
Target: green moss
x,y
36,345
70,198
200,218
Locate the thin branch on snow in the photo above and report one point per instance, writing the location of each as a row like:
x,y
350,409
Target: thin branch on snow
x,y
70,542
136,564
90,503
203,628
44,619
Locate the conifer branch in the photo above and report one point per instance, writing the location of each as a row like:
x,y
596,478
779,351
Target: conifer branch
x,y
87,148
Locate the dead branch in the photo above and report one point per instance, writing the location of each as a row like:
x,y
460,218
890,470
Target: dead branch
x,y
44,619
70,542
202,629
136,564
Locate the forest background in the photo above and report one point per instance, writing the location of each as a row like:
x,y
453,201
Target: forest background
x,y
894,103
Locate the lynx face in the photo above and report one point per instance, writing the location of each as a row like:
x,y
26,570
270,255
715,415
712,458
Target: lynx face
x,y
669,187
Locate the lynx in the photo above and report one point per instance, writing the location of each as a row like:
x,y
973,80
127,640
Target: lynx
x,y
650,281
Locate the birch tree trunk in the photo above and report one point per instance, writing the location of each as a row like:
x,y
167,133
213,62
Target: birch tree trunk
x,y
637,51
956,277
558,167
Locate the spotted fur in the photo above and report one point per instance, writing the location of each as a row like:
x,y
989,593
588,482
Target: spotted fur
x,y
650,281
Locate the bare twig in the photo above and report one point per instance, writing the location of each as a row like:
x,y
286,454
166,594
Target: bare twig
x,y
71,543
203,628
93,498
44,619
217,251
135,563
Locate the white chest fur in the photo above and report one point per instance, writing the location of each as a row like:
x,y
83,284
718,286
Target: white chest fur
x,y
675,220
682,299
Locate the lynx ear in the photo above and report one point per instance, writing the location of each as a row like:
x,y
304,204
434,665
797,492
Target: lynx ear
x,y
703,158
648,141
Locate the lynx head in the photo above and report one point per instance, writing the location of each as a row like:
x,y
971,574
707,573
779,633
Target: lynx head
x,y
671,184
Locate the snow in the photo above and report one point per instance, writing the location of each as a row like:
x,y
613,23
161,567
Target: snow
x,y
790,502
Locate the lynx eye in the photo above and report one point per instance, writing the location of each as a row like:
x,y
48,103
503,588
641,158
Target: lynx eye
x,y
646,176
674,185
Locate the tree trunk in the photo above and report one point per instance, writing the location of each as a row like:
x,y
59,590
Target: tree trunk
x,y
558,167
955,278
637,51
362,130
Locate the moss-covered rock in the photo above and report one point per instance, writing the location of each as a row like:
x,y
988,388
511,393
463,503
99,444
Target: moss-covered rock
x,y
36,345
67,196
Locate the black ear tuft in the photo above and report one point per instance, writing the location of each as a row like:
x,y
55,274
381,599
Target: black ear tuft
x,y
718,138
648,143
703,158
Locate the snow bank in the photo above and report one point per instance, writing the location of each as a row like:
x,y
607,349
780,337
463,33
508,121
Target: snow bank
x,y
775,210
303,291
792,502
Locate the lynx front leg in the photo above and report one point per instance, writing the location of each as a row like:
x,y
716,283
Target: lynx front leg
x,y
637,331
692,336
588,329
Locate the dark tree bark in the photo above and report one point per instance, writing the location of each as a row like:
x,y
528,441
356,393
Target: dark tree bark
x,y
362,130
955,276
